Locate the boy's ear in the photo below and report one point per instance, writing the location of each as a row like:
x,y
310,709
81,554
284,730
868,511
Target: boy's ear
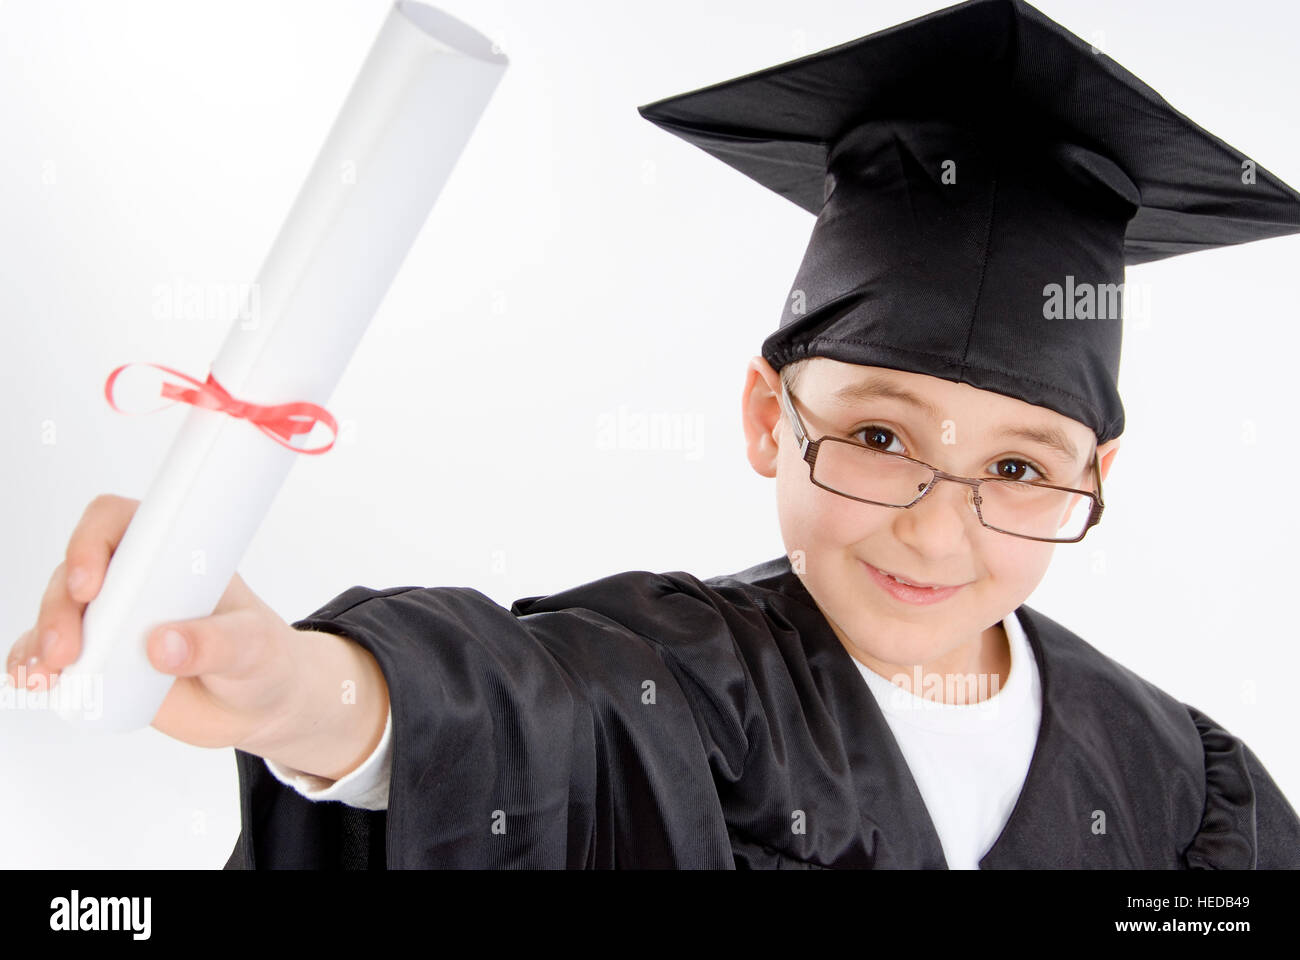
x,y
1106,456
761,415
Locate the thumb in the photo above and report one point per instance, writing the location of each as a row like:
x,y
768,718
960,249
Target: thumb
x,y
221,643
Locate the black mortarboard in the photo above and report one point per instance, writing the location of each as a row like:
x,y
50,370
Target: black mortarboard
x,y
981,177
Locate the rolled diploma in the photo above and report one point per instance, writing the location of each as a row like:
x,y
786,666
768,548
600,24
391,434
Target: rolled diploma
x,y
424,84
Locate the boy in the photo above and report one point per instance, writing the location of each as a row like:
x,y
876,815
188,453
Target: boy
x,y
935,423
919,309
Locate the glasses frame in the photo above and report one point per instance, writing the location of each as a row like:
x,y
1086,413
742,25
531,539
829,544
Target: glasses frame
x,y
808,451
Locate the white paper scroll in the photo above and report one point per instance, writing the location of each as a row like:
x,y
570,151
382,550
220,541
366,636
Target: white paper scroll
x,y
425,83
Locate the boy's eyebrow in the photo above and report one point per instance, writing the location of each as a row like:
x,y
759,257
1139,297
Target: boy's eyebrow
x,y
1048,436
881,388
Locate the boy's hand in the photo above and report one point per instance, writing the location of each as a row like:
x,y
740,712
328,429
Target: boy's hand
x,y
236,673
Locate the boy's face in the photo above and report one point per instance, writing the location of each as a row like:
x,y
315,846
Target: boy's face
x,y
939,540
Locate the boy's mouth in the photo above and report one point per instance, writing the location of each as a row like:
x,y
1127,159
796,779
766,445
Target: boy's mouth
x,y
910,591
915,583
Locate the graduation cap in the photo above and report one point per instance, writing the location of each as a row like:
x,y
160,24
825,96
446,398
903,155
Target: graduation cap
x,y
981,176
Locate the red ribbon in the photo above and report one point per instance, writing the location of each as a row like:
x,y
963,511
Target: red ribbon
x,y
279,422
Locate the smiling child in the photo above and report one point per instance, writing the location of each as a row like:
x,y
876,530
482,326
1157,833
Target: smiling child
x,y
938,408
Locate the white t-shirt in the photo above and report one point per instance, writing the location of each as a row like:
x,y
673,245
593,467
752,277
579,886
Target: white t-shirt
x,y
968,760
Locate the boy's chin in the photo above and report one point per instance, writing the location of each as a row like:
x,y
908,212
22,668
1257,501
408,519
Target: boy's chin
x,y
902,642
889,638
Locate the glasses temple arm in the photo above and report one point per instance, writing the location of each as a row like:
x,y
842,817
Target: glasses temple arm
x,y
800,436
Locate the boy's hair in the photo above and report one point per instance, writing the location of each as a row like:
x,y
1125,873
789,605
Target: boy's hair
x,y
791,372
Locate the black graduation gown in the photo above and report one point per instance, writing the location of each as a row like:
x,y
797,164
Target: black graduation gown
x,y
656,720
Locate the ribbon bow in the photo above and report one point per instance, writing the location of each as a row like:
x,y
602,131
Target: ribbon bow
x,y
280,422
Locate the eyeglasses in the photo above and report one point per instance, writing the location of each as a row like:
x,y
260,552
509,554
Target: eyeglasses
x,y
1019,508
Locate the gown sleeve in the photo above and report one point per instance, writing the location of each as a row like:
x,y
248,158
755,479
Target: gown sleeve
x,y
588,730
1248,822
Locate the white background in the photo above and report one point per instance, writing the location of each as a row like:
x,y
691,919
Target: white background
x,y
579,261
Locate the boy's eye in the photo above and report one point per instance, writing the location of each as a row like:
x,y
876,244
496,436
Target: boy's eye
x,y
876,437
1019,474
1009,468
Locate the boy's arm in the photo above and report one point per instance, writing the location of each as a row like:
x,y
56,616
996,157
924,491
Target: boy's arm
x,y
365,787
341,710
526,739
1277,825
331,730
1248,822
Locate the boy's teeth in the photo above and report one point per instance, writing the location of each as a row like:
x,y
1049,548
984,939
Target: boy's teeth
x,y
910,583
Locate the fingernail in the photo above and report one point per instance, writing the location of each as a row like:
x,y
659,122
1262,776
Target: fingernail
x,y
32,676
76,580
47,642
174,649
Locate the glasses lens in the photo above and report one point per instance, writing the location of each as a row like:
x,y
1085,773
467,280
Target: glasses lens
x,y
1030,510
868,474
